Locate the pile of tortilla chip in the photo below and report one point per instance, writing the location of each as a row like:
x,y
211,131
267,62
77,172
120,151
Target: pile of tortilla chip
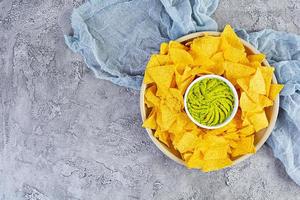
x,y
169,73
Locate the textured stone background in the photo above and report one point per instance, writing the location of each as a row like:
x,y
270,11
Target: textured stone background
x,y
67,135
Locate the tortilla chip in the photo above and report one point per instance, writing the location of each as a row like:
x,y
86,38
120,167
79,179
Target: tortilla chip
x,y
237,71
207,44
187,142
218,67
275,90
247,130
214,153
247,105
200,58
164,47
256,58
196,160
229,37
234,55
257,83
150,122
244,146
150,98
267,73
259,120
244,83
265,101
180,56
176,45
155,74
212,165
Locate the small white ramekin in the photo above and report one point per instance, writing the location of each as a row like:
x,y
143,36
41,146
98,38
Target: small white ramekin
x,y
235,106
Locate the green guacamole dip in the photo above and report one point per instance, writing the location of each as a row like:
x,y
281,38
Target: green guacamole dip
x,y
210,101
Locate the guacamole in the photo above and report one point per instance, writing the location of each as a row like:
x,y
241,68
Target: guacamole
x,y
210,101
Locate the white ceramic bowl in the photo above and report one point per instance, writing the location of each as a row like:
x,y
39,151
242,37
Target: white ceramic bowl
x,y
260,137
235,106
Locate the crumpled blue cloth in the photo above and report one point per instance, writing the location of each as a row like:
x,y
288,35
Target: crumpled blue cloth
x,y
116,38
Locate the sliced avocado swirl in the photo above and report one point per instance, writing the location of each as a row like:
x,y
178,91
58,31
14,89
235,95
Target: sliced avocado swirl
x,y
210,101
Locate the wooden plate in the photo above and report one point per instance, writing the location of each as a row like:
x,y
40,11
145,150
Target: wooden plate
x,y
260,137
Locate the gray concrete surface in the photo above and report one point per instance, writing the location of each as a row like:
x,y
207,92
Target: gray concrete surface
x,y
67,135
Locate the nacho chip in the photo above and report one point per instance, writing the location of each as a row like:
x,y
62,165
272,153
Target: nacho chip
x,y
275,90
229,37
207,44
212,165
234,55
176,45
267,73
265,101
150,122
236,71
257,83
167,117
155,74
180,56
259,120
247,105
244,83
244,146
150,98
247,130
187,142
164,47
215,153
256,58
200,58
196,160
163,136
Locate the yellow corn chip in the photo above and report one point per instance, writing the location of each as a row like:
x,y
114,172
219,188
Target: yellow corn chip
x,y
247,130
186,156
150,122
259,120
267,73
275,90
163,136
215,153
212,165
232,136
163,48
244,83
176,45
257,57
234,55
244,146
247,105
229,37
257,83
218,67
180,56
187,142
237,71
265,101
150,98
200,58
167,117
196,160
207,44
155,74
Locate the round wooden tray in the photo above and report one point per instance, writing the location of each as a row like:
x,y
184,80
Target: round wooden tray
x,y
260,137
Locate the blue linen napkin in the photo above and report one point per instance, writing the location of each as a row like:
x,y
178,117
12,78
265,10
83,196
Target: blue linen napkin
x,y
116,38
